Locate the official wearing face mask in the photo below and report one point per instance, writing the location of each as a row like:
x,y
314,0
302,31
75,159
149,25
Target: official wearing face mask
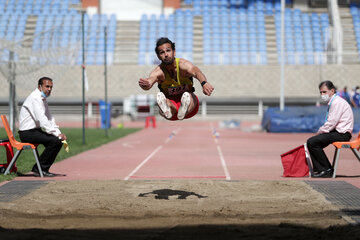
x,y
338,126
36,125
356,97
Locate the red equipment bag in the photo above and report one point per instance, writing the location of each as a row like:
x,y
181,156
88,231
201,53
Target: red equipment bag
x,y
295,162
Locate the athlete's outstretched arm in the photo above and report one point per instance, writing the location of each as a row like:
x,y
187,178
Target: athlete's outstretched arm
x,y
147,83
195,72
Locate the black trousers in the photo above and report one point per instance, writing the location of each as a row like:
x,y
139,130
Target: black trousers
x,y
52,145
317,143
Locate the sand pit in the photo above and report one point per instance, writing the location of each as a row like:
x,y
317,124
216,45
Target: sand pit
x,y
144,209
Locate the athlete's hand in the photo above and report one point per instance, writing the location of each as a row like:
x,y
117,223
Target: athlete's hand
x,y
208,89
144,83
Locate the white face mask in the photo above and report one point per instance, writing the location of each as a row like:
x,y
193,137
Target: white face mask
x,y
43,95
325,98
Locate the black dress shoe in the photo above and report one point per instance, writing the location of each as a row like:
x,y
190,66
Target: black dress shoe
x,y
35,170
48,174
45,173
324,174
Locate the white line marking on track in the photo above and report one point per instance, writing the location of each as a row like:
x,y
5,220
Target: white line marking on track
x,y
143,162
172,134
223,163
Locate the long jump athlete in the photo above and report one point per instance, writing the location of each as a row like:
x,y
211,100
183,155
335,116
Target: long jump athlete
x,y
176,99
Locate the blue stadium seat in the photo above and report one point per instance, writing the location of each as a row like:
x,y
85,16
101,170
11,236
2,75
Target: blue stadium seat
x,y
229,26
225,58
244,60
207,58
310,58
235,58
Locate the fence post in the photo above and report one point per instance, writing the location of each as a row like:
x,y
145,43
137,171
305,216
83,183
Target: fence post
x,y
203,108
260,108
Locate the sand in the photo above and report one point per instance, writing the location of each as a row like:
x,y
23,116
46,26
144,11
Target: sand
x,y
175,209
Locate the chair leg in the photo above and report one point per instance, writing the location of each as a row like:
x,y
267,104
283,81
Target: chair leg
x,y
307,157
356,152
36,155
335,161
17,154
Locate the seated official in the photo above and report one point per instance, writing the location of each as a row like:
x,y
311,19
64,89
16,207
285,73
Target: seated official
x,y
38,126
338,126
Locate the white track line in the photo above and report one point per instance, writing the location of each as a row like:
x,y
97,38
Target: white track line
x,y
171,136
223,163
143,163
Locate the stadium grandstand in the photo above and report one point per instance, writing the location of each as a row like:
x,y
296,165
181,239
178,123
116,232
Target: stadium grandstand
x,y
239,44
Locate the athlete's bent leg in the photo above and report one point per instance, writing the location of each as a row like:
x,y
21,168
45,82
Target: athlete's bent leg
x,y
194,104
163,103
186,101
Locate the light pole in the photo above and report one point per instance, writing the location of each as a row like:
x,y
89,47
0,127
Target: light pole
x,y
282,81
12,92
83,75
107,121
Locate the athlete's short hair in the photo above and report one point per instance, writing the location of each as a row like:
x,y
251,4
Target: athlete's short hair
x,y
162,41
328,84
41,80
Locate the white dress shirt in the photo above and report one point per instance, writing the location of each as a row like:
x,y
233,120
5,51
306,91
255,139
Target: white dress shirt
x,y
340,116
35,113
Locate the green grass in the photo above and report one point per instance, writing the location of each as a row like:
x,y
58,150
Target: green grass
x,y
93,138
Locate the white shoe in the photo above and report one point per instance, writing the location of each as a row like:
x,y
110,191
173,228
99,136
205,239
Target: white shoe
x,y
161,101
185,103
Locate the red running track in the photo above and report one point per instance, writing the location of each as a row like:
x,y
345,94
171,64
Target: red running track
x,y
189,150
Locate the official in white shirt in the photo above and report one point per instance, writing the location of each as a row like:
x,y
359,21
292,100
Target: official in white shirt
x,y
38,126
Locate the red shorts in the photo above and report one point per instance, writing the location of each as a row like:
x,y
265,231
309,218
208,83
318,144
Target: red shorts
x,y
177,103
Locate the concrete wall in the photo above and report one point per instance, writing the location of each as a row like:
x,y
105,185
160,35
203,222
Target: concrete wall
x,y
229,81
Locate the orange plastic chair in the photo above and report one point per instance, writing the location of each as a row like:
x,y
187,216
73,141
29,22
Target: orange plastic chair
x,y
19,147
353,145
9,154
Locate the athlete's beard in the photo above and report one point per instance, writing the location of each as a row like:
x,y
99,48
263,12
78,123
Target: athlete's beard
x,y
168,61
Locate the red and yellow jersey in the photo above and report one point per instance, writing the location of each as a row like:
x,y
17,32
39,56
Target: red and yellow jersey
x,y
173,88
